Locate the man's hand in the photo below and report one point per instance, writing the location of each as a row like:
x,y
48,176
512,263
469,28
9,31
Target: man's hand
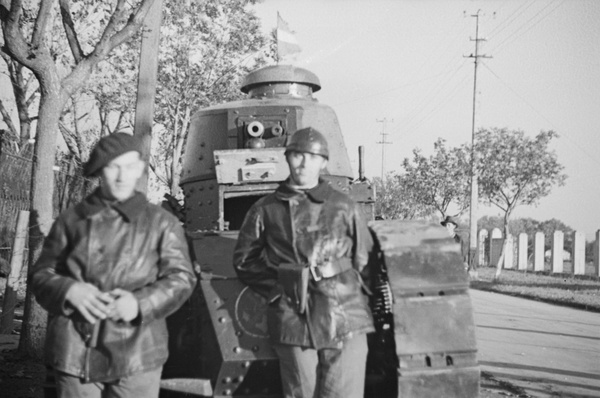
x,y
125,307
91,303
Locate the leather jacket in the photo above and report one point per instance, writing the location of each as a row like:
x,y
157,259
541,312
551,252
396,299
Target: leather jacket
x,y
316,227
135,246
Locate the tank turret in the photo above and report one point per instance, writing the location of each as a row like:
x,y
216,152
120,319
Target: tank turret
x,y
234,151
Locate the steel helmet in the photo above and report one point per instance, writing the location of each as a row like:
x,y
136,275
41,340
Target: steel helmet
x,y
308,140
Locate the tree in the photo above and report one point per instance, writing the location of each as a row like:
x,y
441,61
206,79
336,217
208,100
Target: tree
x,y
440,181
394,201
515,170
121,20
206,49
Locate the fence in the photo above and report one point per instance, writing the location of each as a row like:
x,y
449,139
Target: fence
x,y
530,253
15,182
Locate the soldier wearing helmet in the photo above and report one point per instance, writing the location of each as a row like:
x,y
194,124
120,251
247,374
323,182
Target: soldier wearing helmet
x,y
304,247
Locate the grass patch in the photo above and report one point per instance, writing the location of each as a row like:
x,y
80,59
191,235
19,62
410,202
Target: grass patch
x,y
582,292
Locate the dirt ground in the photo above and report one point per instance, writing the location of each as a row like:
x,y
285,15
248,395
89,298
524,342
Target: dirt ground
x,y
26,378
19,377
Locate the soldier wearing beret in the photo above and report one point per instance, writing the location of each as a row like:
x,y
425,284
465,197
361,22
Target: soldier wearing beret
x,y
112,268
304,247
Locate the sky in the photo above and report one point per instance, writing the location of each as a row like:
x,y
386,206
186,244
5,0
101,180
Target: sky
x,y
402,68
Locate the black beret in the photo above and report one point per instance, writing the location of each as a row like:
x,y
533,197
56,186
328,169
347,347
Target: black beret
x,y
108,148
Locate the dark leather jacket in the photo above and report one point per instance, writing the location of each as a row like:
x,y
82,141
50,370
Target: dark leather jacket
x,y
136,246
313,227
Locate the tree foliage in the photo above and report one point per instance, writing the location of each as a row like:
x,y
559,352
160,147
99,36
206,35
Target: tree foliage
x,y
394,201
206,49
439,182
515,170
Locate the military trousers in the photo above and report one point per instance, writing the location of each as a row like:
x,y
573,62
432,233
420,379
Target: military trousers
x,y
146,385
324,373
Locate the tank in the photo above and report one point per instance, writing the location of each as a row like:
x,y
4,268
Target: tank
x,y
424,343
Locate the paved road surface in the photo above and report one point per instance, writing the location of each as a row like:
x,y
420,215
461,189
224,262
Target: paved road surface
x,y
549,351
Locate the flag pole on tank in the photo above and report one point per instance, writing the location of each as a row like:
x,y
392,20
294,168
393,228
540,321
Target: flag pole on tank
x,y
287,44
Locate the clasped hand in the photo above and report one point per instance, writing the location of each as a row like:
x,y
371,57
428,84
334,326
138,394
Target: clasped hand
x,y
94,305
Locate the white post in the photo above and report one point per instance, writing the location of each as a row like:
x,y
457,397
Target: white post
x,y
509,256
558,240
597,254
495,246
522,256
480,247
578,255
538,252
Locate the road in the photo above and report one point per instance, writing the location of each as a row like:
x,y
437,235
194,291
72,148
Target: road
x,y
547,350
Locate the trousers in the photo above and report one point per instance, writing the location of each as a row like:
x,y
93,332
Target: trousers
x,y
324,373
146,385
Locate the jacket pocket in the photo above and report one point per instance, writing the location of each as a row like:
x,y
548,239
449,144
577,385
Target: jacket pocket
x,y
293,278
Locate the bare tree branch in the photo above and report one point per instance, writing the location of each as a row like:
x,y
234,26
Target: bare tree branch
x,y
108,42
70,139
69,26
32,97
8,121
41,23
15,45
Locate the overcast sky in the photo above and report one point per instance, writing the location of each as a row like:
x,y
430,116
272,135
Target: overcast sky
x,y
406,62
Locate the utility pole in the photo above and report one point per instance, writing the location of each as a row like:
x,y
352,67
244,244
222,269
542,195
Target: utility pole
x,y
474,173
147,81
383,143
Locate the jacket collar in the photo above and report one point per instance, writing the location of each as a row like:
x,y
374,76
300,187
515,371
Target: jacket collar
x,y
129,209
318,194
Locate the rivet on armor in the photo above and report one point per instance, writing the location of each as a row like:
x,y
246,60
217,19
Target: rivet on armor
x,y
227,380
222,319
227,392
246,364
237,350
239,379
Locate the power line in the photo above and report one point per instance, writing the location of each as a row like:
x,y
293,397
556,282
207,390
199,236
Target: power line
x,y
383,143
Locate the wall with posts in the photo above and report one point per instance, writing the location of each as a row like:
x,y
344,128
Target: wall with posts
x,y
528,252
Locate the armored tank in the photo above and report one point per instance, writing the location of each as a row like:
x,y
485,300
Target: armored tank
x,y
424,344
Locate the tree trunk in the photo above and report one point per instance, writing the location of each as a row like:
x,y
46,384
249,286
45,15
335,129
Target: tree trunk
x,y
14,277
177,153
500,263
42,189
